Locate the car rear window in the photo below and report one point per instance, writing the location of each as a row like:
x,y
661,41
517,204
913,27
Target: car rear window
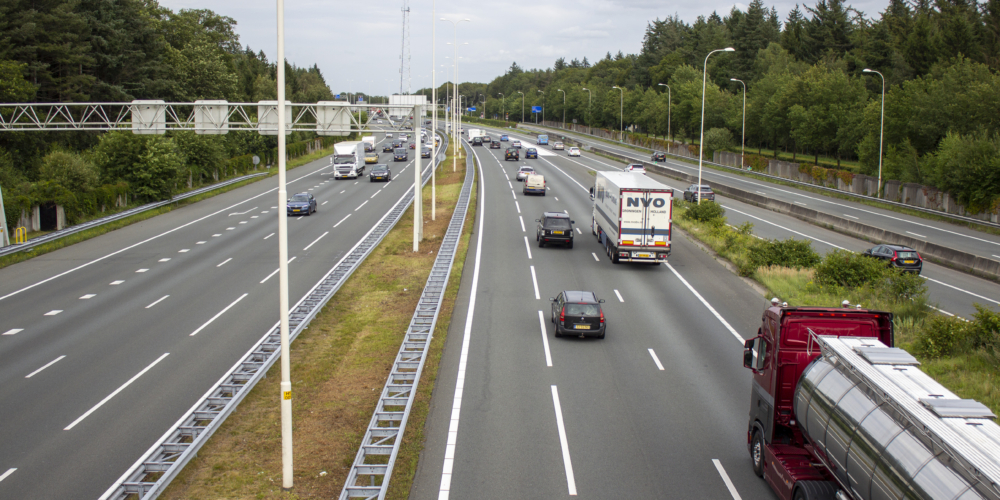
x,y
903,254
300,197
582,309
557,223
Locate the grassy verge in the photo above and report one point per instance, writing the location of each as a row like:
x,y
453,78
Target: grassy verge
x,y
75,238
339,365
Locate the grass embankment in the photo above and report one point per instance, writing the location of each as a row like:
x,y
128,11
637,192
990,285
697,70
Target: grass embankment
x,y
339,366
118,224
964,356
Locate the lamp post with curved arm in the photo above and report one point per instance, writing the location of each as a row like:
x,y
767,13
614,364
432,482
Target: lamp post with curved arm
x,y
881,127
454,165
590,99
621,113
743,138
543,108
564,106
522,105
669,137
503,104
701,143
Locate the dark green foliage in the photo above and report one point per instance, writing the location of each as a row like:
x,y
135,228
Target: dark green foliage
x,y
848,269
148,163
785,253
984,330
941,336
706,211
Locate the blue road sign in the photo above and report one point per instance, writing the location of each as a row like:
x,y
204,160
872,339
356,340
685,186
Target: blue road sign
x,y
472,109
361,99
536,109
336,96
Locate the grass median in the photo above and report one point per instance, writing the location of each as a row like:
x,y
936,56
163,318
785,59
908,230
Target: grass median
x,y
339,366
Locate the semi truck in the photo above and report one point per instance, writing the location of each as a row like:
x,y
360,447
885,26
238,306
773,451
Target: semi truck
x,y
632,217
348,159
838,413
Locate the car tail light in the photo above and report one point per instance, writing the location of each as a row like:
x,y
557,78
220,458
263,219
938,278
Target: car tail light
x,y
894,256
602,316
562,314
919,257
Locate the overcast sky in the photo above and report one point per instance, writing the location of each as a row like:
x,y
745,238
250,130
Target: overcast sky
x,y
357,44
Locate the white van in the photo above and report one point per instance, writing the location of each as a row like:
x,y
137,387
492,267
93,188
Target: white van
x,y
534,184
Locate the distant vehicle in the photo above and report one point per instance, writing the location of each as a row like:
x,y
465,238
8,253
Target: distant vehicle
x,y
425,152
397,144
369,141
404,137
899,256
516,144
380,173
476,132
301,204
578,313
413,145
635,167
388,135
534,184
555,228
691,193
573,152
542,140
348,160
371,157
523,172
531,153
477,141
495,145
658,156
511,154
378,121
387,147
504,138
558,146
632,217
487,138
400,154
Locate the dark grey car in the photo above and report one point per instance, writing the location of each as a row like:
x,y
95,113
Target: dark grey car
x,y
899,256
578,313
691,193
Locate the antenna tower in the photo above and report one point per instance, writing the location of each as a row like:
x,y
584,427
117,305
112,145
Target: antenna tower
x,y
404,58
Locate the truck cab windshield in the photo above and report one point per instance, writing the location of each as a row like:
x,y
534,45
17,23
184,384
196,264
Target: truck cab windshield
x,y
339,159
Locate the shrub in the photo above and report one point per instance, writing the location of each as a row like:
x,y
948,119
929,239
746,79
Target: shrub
x,y
756,163
706,211
940,336
984,330
848,269
786,253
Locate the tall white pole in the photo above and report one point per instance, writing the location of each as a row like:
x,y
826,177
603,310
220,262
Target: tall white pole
x,y
564,107
434,111
743,138
881,127
668,108
418,201
621,114
701,142
286,378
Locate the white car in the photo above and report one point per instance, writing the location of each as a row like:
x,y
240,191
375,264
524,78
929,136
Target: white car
x,y
558,146
573,152
516,144
635,167
379,122
524,172
388,135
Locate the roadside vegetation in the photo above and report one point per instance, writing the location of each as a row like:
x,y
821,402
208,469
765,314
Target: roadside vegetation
x,y
339,366
963,355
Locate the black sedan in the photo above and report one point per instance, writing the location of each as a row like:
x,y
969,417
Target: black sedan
x,y
554,228
380,173
425,152
900,256
691,193
400,154
531,153
578,313
301,204
387,148
658,156
495,145
397,144
512,154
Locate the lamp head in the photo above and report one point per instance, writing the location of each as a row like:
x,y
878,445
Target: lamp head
x,y
733,80
729,49
866,70
586,89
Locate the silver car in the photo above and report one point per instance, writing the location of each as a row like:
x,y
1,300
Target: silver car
x,y
524,172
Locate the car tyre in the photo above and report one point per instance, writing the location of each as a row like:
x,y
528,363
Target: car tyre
x,y
601,336
558,333
541,244
570,244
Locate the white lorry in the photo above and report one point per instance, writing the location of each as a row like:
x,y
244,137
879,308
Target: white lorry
x,y
369,141
348,159
632,217
475,132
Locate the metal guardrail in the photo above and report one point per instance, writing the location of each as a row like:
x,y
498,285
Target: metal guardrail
x,y
62,233
776,178
385,431
148,477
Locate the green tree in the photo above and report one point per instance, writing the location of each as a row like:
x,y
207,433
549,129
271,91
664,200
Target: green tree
x,y
70,171
150,164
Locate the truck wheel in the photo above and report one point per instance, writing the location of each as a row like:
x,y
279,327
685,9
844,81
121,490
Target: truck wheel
x,y
757,453
815,490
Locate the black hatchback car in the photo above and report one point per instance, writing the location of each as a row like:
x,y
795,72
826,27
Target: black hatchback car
x,y
400,154
658,156
899,256
380,173
511,154
555,228
387,147
494,144
477,141
691,193
578,313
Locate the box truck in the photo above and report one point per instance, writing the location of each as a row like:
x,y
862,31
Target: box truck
x,y
837,412
348,159
369,141
632,217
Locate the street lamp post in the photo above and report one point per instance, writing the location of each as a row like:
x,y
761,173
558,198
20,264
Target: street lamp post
x,y
701,143
621,113
669,137
454,163
286,378
522,105
564,107
434,111
590,98
881,127
543,109
503,103
743,138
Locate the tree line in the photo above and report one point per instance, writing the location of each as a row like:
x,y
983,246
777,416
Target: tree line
x,y
806,91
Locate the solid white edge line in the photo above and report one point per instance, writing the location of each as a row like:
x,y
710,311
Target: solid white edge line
x,y
564,443
725,479
50,363
527,247
545,339
161,299
595,256
456,407
705,302
113,394
620,299
656,359
8,473
785,228
314,241
915,234
224,262
534,282
209,322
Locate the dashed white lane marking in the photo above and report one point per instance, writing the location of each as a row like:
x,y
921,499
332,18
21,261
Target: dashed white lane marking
x,y
184,250
578,231
88,296
342,192
516,204
511,185
209,322
376,192
13,331
361,205
620,299
512,194
165,259
263,211
761,192
268,236
527,247
534,282
8,473
705,302
917,235
595,256
725,479
257,216
523,230
314,241
851,216
785,228
557,198
656,360
117,282
141,270
564,443
224,262
200,243
545,339
216,235
113,394
243,222
36,372
276,270
157,301
997,256
230,228
53,312
341,220
324,203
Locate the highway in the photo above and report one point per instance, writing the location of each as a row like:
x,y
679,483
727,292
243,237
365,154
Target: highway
x,y
106,343
657,409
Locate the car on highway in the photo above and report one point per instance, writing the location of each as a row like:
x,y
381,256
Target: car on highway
x,y
504,138
371,157
531,153
523,172
555,228
301,204
573,152
425,152
387,148
400,154
658,156
635,167
413,145
558,146
899,256
380,172
404,137
487,138
379,122
477,141
495,145
534,184
511,154
578,313
691,193
397,144
388,135
515,144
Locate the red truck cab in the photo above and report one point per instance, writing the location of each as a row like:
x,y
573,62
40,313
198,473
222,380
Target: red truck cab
x,y
777,356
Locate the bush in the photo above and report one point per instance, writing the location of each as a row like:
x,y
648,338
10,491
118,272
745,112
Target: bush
x,y
785,253
940,336
706,211
717,139
848,269
984,330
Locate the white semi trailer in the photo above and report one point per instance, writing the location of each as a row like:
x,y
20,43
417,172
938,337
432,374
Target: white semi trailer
x,y
632,217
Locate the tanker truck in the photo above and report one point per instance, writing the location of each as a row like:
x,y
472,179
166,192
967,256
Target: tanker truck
x,y
838,413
